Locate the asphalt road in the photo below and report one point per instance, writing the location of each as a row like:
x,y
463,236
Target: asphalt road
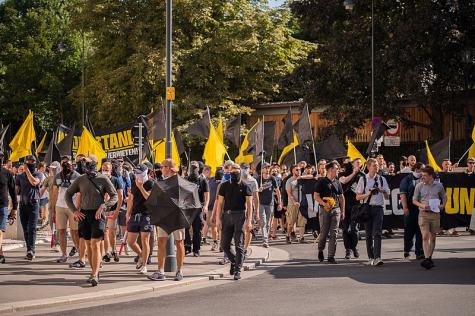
x,y
304,287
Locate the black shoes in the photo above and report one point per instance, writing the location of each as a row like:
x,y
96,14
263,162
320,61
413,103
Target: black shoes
x,y
106,258
287,240
427,263
73,252
348,254
321,257
420,257
2,259
332,260
237,276
231,269
356,253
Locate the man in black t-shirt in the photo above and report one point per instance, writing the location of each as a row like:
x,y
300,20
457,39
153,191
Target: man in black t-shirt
x,y
236,216
329,194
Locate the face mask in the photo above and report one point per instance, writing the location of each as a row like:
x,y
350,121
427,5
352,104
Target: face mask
x,y
142,177
158,174
91,168
80,168
235,177
227,176
31,167
67,168
245,172
417,175
194,172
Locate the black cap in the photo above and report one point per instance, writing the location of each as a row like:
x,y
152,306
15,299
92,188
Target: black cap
x,y
140,168
157,166
30,158
148,164
244,165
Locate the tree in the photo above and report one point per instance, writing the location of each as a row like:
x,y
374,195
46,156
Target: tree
x,y
418,49
39,61
227,55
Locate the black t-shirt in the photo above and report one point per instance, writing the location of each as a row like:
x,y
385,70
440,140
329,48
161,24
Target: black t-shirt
x,y
203,186
349,189
234,195
138,205
308,185
266,197
327,188
213,187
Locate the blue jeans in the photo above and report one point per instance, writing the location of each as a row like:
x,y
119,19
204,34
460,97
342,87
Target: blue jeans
x,y
265,212
29,214
3,218
411,230
374,231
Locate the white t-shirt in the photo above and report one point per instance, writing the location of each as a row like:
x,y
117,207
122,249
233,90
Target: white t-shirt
x,y
63,184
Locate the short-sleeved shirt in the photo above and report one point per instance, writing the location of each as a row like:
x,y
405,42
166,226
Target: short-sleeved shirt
x,y
292,185
213,187
252,183
329,188
407,187
235,195
203,186
266,196
118,185
28,193
349,189
375,182
63,182
425,192
138,205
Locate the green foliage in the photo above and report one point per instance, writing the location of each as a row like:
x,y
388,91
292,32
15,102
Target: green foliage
x,y
418,56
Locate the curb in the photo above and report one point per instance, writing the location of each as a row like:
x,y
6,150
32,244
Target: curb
x,y
122,292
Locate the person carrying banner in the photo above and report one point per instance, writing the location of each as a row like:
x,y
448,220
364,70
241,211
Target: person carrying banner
x,y
236,196
28,187
329,195
374,188
7,188
411,212
350,180
93,187
430,197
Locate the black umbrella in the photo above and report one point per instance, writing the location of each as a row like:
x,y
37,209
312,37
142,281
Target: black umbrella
x,y
173,203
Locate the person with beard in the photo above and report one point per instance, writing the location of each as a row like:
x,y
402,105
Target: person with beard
x,y
7,188
63,215
411,213
203,191
210,223
93,187
28,187
234,218
349,179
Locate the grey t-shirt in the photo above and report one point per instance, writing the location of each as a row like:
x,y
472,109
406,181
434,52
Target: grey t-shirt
x,y
425,192
292,185
91,199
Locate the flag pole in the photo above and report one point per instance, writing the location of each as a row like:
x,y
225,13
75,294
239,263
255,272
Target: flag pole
x,y
463,156
450,136
293,149
262,153
313,139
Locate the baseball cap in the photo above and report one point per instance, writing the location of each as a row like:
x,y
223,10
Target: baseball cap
x,y
140,168
244,165
30,158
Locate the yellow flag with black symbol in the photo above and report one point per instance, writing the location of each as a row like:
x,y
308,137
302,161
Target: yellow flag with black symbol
x,y
354,153
214,151
471,152
88,145
21,143
160,151
41,145
288,148
245,143
431,160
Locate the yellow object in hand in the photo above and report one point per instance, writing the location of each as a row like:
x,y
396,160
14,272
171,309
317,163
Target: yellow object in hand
x,y
331,201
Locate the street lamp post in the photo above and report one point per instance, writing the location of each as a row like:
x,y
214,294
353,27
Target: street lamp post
x,y
349,5
170,262
83,79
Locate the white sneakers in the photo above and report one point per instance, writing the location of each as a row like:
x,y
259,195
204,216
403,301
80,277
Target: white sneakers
x,y
143,270
378,262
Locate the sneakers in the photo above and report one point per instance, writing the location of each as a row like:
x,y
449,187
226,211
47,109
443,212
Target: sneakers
x,y
378,262
427,263
178,276
94,280
106,258
139,264
78,265
237,276
287,239
30,256
407,256
116,256
331,260
157,276
356,253
302,240
214,247
348,254
62,259
370,262
73,252
143,270
232,269
265,245
321,257
196,254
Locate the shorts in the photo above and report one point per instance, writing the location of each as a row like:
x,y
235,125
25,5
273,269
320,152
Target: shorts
x,y
90,227
121,219
429,222
278,214
139,223
178,235
3,218
295,217
63,216
43,202
111,223
209,219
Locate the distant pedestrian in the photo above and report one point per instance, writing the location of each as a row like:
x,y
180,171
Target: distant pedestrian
x,y
7,188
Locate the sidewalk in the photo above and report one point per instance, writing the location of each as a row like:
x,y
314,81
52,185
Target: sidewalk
x,y
45,283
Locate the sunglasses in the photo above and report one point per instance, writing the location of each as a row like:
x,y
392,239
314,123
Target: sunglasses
x,y
471,162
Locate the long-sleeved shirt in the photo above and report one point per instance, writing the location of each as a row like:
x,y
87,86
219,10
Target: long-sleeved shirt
x,y
91,199
7,187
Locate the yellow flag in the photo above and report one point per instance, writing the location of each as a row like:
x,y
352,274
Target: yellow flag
x,y
471,152
41,145
88,145
288,148
21,143
431,159
353,153
160,151
245,143
215,150
220,129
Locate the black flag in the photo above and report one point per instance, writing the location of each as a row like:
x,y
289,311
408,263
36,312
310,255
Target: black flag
x,y
287,135
256,140
52,153
377,134
3,134
201,126
65,146
179,142
155,123
301,153
269,137
233,131
304,130
331,148
439,150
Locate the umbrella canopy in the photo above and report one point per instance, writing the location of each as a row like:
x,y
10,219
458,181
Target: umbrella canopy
x,y
173,203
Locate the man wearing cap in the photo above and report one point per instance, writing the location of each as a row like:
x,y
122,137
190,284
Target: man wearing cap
x,y
234,218
169,169
93,187
7,188
28,187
